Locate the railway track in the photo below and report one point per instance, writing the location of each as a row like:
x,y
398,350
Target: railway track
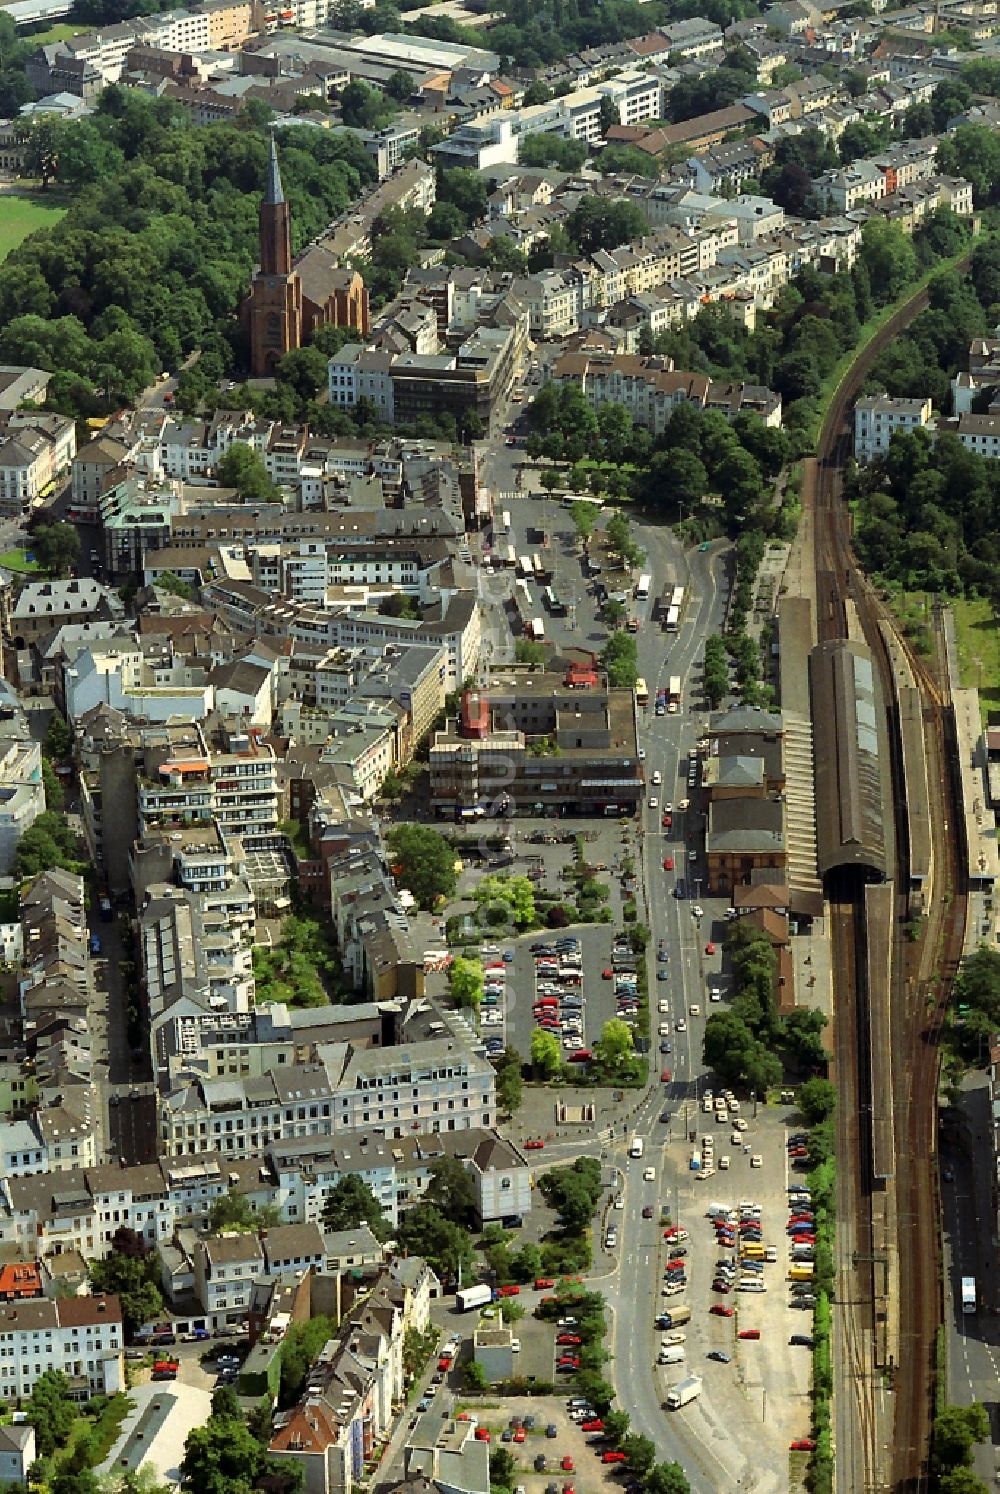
x,y
923,972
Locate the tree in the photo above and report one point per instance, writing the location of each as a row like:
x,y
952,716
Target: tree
x,y
962,1481
51,1412
58,743
510,1084
221,1457
955,1431
476,1379
616,1425
584,517
503,1467
445,1245
48,843
604,223
424,863
351,1202
133,1278
465,981
305,370
667,1478
621,660
506,900
641,1453
817,1099
225,1403
241,468
169,582
452,1190
56,547
614,1046
526,651
573,1192
546,1055
233,1211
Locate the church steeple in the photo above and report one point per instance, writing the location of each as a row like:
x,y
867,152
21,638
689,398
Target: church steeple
x,y
275,222
273,195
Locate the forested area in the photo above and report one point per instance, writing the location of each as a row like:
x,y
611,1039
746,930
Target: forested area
x,y
155,252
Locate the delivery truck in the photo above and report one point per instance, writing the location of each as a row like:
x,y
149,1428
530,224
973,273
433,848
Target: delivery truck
x,y
678,1316
686,1391
475,1296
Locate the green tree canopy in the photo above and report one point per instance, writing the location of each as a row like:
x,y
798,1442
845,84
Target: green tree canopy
x,y
351,1202
465,981
423,862
241,468
546,1054
132,1273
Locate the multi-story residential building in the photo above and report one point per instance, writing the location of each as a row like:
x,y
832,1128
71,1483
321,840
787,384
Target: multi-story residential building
x,y
79,1336
225,1268
135,518
438,1085
22,792
877,418
238,789
845,188
44,606
650,388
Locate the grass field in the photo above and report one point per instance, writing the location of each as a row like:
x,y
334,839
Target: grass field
x,y
61,31
17,560
979,650
21,215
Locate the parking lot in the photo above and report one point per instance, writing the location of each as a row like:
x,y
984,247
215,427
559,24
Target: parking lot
x,y
584,1469
767,1376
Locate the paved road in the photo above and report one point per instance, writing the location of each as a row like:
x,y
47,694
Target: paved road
x,y
970,1250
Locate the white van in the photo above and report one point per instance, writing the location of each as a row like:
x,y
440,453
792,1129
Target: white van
x,y
673,1356
636,1147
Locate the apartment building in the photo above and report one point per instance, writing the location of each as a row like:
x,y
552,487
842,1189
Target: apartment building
x,y
81,1337
238,789
22,793
650,388
437,1085
877,418
225,1268
34,449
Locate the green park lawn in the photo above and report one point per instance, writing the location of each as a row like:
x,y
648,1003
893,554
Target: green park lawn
x,y
21,214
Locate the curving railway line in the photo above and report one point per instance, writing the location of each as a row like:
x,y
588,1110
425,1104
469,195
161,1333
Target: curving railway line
x,y
922,977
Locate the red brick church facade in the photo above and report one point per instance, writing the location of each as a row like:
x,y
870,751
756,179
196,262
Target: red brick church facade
x,y
277,313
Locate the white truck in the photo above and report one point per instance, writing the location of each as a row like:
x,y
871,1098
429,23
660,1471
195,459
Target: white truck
x,y
475,1296
687,1390
674,1354
636,1147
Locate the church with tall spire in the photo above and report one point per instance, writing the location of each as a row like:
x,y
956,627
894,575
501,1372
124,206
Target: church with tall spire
x,y
274,306
289,298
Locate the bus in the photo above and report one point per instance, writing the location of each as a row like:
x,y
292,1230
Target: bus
x,y
541,568
505,520
674,694
642,589
511,557
641,692
525,567
677,597
552,602
538,630
968,1294
673,619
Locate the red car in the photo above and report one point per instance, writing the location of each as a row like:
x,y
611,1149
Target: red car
x,y
666,822
710,948
612,1457
667,1075
509,1291
520,1434
607,974
542,1283
803,1444
569,1361
721,1310
482,1435
569,1338
595,1424
444,1363
668,863
753,1333
533,1146
582,1055
567,1465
